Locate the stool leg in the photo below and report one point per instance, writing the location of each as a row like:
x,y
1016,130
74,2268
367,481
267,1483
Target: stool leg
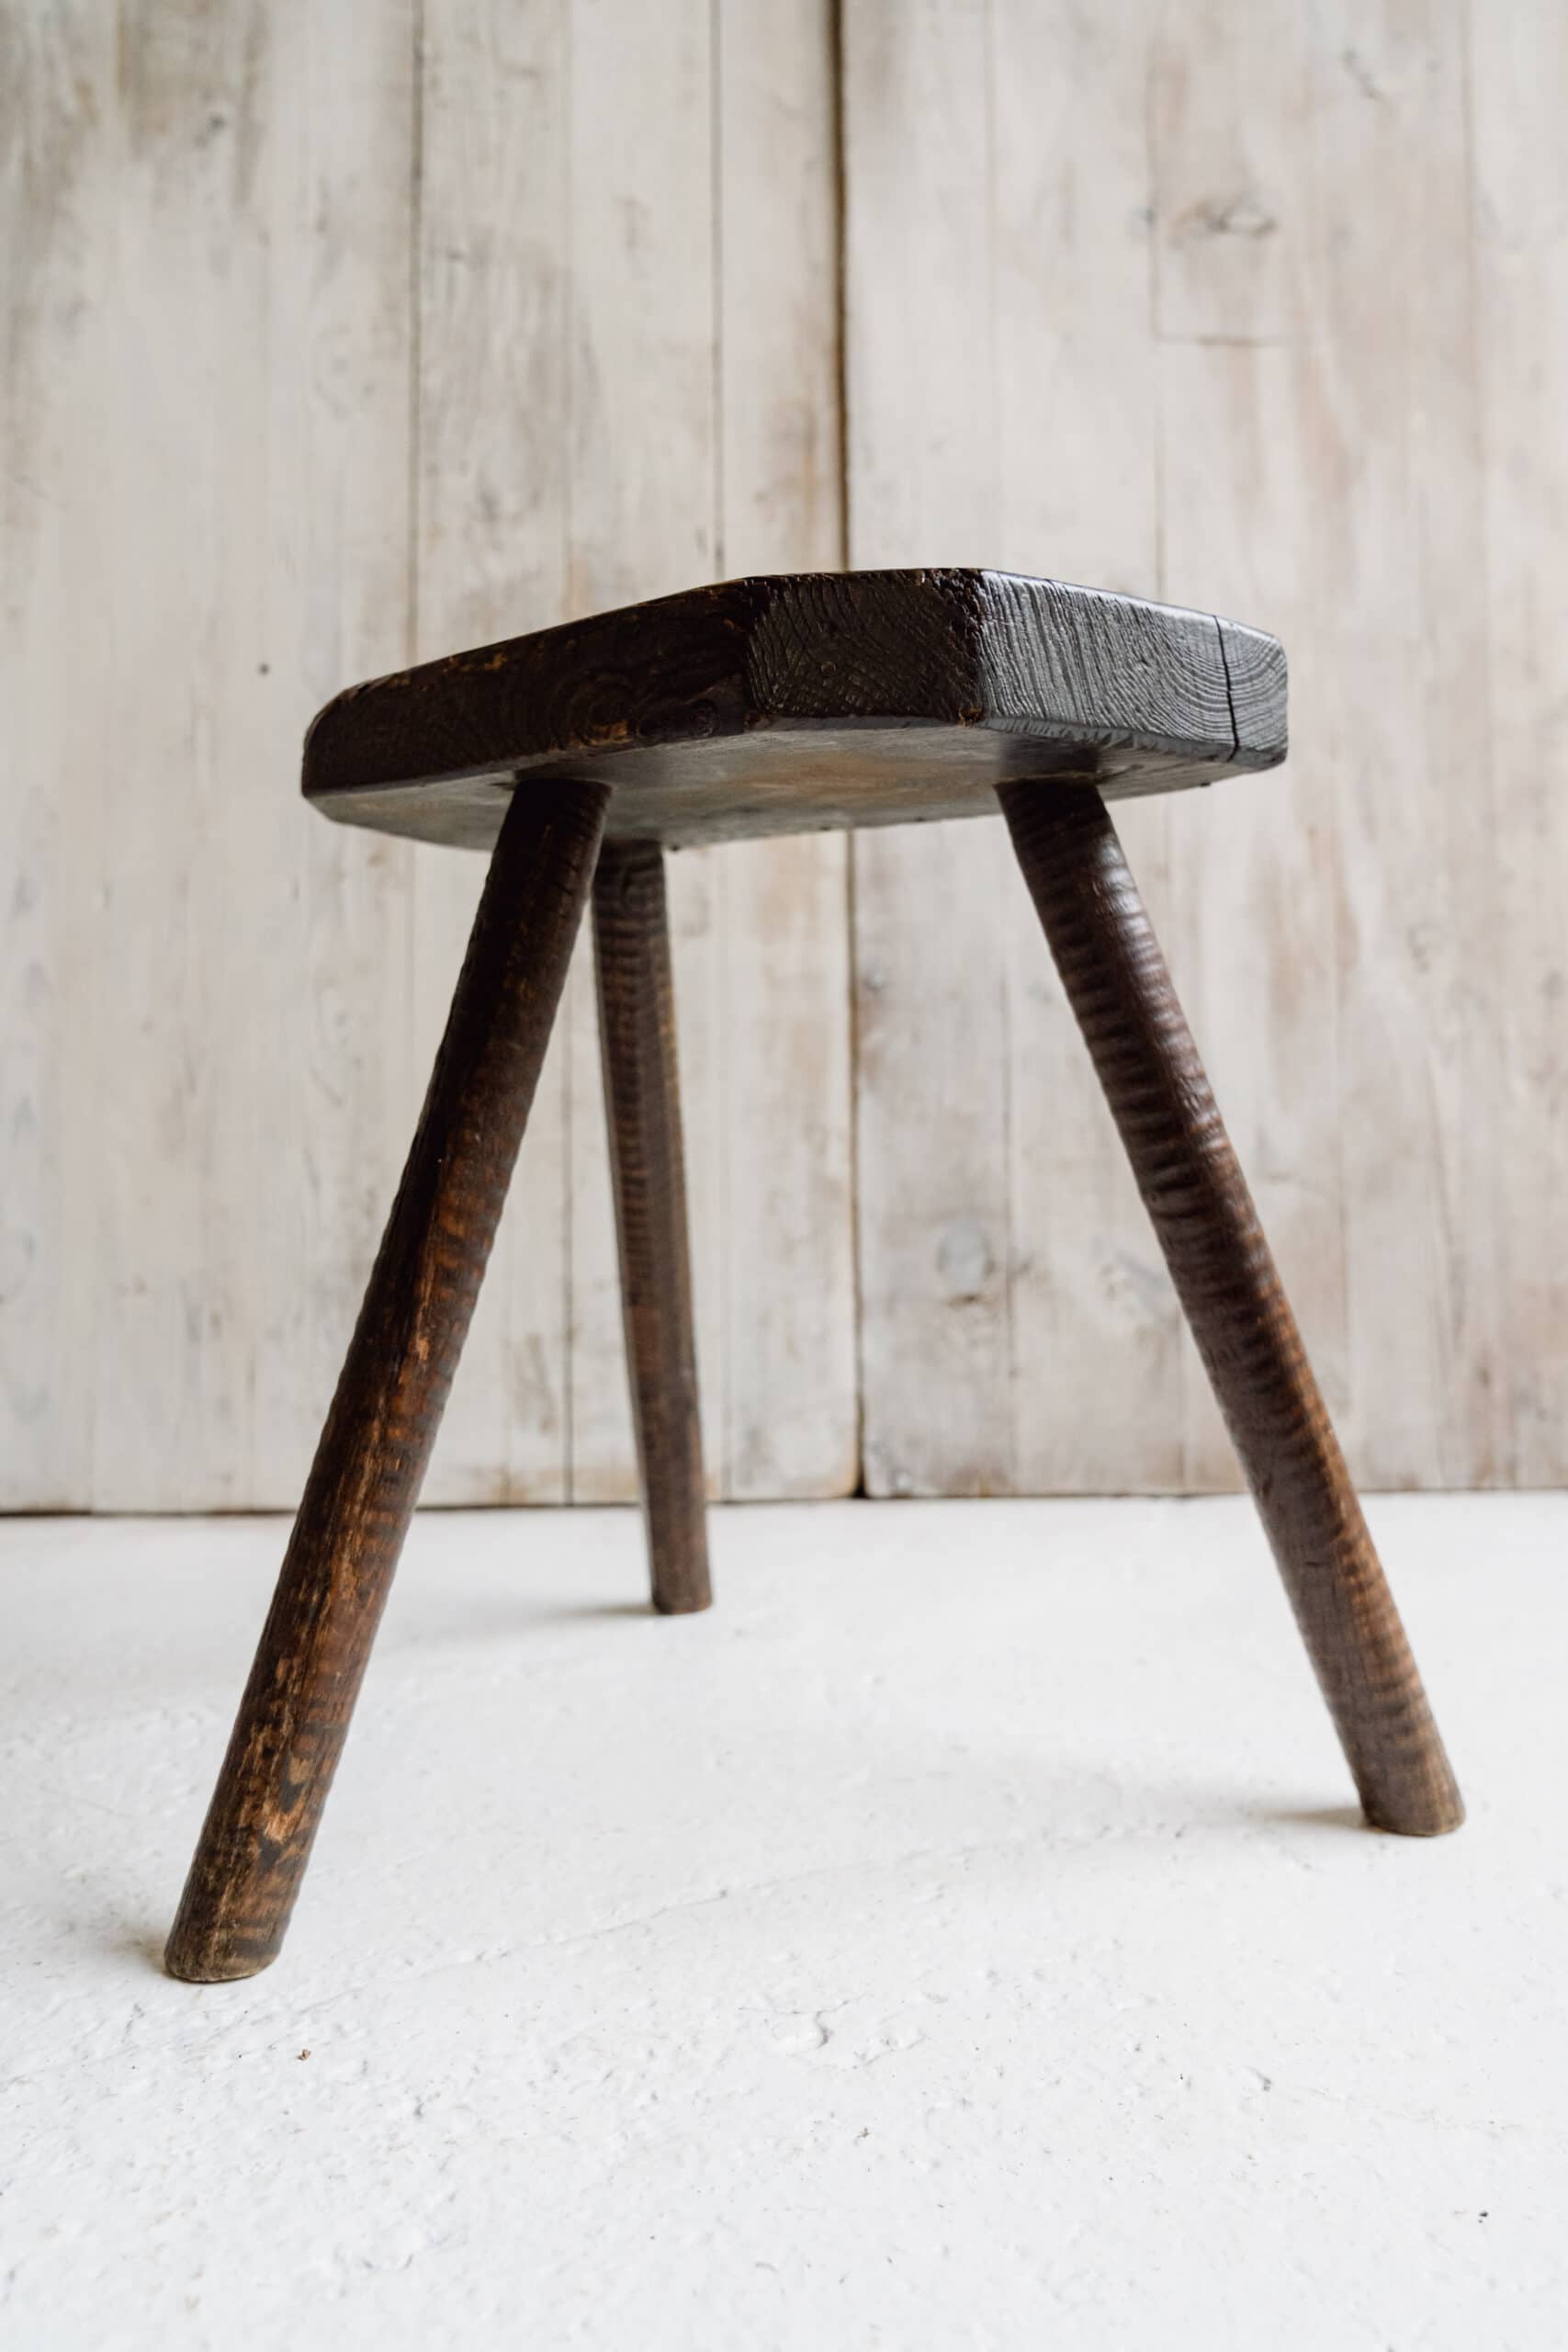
x,y
642,1102
371,1459
1117,983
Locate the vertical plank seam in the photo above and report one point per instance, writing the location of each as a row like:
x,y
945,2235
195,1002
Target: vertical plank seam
x,y
1329,802
1508,1468
414,519
1496,1437
115,143
1152,180
247,1444
1185,1357
416,315
1009,1269
1336,801
716,265
569,570
720,1473
857,1283
840,170
838,84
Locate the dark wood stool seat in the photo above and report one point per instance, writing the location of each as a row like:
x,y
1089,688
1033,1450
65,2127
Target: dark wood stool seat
x,y
576,756
818,700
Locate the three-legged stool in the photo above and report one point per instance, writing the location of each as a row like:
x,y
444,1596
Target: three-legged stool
x,y
578,755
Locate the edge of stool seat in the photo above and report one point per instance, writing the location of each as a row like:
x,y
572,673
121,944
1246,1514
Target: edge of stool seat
x,y
794,701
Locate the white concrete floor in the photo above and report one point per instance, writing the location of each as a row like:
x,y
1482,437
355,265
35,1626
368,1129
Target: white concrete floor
x,y
961,1936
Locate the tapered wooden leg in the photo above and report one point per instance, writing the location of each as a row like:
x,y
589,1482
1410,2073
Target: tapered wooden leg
x,y
642,1102
372,1460
1117,983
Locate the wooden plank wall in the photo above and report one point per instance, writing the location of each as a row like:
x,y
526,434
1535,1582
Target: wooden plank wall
x,y
337,334
207,214
1256,307
627,375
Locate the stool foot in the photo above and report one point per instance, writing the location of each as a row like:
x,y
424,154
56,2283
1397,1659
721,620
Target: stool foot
x,y
372,1460
642,1104
1116,981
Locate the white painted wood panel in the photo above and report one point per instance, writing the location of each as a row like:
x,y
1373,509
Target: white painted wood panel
x,y
1002,410
322,1036
57,270
930,996
1320,459
645,522
1422,1012
342,336
630,382
1257,286
787,1421
1251,919
1093,1316
210,439
493,557
1518,72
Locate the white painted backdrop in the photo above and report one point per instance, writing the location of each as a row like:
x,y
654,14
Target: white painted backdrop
x,y
339,335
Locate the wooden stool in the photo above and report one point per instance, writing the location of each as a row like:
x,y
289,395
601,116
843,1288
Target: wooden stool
x,y
773,705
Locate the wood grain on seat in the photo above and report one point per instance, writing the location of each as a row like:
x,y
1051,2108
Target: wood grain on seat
x,y
805,701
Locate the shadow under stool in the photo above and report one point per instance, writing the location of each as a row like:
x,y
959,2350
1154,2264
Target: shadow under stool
x,y
576,757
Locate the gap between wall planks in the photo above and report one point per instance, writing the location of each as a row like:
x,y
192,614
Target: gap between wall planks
x,y
348,334
1217,333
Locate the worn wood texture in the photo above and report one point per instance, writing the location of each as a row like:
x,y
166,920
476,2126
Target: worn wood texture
x,y
1001,403
1202,1214
781,1409
1224,272
491,461
792,703
340,338
54,488
649,515
203,528
1516,71
627,379
317,316
1337,373
1083,1310
642,1104
1138,295
370,1463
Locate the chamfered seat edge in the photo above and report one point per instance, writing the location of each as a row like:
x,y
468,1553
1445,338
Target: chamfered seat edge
x,y
786,701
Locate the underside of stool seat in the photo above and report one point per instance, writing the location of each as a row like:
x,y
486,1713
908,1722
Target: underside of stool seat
x,y
806,701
